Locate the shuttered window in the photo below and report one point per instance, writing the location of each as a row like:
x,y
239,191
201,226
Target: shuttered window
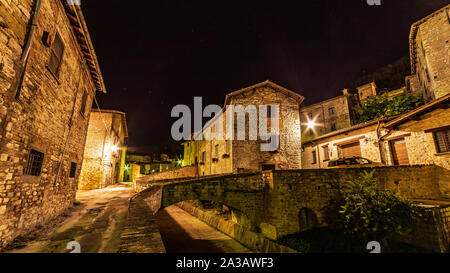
x,y
83,104
442,139
326,153
56,54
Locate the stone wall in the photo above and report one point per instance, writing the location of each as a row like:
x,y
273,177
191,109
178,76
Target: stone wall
x,y
272,201
291,191
252,240
232,156
430,47
321,114
102,154
184,172
367,91
288,156
46,117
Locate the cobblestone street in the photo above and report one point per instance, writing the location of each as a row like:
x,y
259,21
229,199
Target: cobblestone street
x,y
96,223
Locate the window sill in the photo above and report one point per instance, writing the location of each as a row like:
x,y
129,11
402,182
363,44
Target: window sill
x,y
439,154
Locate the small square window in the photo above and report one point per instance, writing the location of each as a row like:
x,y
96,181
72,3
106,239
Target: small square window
x,y
73,169
83,104
34,163
331,111
56,54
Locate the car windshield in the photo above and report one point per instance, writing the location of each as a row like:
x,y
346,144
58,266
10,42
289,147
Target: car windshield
x,y
362,161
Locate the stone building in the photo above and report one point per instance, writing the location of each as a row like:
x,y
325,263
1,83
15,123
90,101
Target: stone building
x,y
430,55
425,132
237,156
366,91
147,164
358,140
49,74
420,136
328,115
105,149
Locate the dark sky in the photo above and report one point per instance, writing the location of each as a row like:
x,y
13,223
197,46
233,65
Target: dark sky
x,y
157,54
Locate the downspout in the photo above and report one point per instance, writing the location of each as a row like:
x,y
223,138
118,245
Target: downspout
x,y
380,140
26,50
70,124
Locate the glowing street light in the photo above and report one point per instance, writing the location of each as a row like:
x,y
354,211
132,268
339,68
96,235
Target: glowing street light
x,y
311,124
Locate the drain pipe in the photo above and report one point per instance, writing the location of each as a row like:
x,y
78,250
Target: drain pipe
x,y
26,49
380,139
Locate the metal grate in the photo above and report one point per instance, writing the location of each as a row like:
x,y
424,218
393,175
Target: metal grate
x,y
442,141
34,163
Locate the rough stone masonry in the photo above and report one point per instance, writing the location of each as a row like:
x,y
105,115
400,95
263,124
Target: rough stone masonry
x,y
44,110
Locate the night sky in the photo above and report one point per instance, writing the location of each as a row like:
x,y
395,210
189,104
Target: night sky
x,y
157,54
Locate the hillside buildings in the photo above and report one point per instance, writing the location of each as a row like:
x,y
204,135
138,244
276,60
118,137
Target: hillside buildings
x,y
430,55
49,74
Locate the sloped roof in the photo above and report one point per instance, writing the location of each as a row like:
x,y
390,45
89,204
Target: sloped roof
x,y
81,33
299,98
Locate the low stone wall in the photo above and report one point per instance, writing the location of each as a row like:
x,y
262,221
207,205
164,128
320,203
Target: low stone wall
x,y
431,231
141,233
252,240
178,173
281,202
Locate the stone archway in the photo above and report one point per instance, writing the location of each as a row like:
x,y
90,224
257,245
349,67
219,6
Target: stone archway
x,y
307,219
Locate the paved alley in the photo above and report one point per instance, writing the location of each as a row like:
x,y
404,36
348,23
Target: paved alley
x,y
96,223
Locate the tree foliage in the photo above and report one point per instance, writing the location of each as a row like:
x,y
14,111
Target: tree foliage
x,y
371,213
390,77
381,106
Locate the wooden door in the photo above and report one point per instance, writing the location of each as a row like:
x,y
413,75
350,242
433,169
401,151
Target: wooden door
x,y
399,152
351,150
